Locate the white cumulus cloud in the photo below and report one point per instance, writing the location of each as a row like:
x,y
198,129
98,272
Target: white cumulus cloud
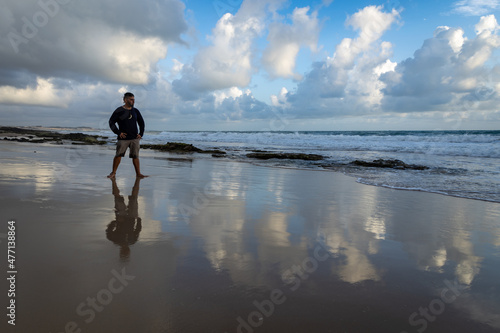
x,y
229,59
227,62
449,72
286,40
348,82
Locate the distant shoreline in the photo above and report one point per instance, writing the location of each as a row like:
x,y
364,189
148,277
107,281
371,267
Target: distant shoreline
x,y
372,132
40,136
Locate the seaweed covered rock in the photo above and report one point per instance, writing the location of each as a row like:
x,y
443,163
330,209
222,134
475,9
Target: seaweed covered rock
x,y
288,156
181,148
174,147
214,152
389,163
91,139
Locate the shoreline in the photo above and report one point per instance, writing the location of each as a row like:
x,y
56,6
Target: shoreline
x,y
257,157
427,191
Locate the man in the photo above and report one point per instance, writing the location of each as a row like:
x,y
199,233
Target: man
x,y
127,118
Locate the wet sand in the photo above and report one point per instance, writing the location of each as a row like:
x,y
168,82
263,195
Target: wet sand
x,y
207,245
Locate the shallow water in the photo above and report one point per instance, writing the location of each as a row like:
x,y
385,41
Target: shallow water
x,y
462,163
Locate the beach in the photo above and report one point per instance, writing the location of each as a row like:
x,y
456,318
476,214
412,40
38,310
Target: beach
x,y
215,245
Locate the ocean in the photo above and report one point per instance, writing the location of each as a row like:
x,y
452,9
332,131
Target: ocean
x,y
461,163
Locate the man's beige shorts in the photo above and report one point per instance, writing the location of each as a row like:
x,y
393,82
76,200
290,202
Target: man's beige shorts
x,y
122,145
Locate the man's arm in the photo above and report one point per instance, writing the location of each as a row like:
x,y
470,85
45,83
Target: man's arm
x,y
112,123
140,121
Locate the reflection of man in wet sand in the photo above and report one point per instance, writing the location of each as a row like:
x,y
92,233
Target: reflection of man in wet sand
x,y
125,229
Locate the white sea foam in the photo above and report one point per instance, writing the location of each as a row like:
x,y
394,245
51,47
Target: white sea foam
x,y
472,145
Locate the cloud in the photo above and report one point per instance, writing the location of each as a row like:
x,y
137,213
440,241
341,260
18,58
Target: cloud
x,y
109,41
371,22
225,105
347,82
228,60
43,94
240,106
475,7
285,42
280,100
224,64
448,73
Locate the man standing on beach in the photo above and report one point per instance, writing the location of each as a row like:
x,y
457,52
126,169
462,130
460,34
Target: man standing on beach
x,y
127,118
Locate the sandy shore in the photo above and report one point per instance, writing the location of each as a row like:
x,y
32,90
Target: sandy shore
x,y
207,245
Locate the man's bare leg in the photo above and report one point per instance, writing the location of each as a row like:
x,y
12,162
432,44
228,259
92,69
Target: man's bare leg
x,y
116,163
137,167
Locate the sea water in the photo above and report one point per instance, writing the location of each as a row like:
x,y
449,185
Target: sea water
x,y
461,163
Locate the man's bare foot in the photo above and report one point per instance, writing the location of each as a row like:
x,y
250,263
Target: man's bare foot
x,y
140,175
111,175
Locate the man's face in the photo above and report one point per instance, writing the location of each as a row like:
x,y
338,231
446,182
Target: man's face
x,y
129,101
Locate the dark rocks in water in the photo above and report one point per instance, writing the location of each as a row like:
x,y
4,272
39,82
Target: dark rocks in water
x,y
84,138
288,156
394,164
174,147
22,139
213,152
17,139
37,136
182,148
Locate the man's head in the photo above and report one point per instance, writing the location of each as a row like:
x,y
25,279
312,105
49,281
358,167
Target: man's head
x,y
129,99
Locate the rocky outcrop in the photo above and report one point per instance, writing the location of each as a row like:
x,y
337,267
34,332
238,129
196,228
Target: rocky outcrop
x,y
394,164
182,148
174,147
40,136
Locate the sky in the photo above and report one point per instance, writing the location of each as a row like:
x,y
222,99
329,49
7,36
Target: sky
x,y
259,65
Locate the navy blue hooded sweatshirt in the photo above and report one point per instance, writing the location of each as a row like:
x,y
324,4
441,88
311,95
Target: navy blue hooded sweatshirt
x,y
127,123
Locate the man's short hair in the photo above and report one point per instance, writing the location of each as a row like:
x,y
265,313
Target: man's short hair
x,y
128,94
